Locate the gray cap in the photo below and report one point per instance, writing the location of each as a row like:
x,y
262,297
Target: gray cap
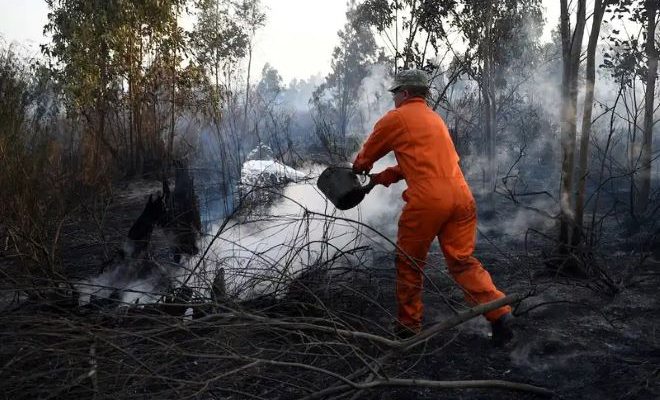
x,y
410,77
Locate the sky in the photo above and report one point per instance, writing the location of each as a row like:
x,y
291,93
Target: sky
x,y
292,25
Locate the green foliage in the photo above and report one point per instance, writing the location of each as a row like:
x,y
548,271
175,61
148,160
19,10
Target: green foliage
x,y
218,37
626,58
506,31
115,59
422,22
95,43
270,85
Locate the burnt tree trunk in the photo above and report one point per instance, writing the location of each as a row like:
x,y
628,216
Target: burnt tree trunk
x,y
644,176
571,40
583,166
489,106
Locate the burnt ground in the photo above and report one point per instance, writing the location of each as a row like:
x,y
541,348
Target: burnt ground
x,y
573,336
571,339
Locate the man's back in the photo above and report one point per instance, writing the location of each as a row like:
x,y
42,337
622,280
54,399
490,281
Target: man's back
x,y
425,152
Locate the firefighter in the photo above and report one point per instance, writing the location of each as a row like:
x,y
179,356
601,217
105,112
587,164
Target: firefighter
x,y
439,204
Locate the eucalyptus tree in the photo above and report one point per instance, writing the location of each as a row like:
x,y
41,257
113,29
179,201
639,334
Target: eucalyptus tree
x,y
632,60
100,53
219,40
335,101
499,49
274,115
628,62
583,161
571,45
252,18
82,61
412,29
649,17
502,43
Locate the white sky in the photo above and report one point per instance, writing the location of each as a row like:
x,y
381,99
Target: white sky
x,y
297,40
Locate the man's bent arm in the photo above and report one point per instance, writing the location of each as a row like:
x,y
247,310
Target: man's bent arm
x,y
379,143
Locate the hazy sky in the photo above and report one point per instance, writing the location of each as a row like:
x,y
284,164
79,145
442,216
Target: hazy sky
x,y
310,25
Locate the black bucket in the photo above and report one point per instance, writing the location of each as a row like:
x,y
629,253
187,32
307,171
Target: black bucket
x,y
342,187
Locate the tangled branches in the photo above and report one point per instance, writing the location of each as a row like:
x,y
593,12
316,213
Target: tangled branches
x,y
294,304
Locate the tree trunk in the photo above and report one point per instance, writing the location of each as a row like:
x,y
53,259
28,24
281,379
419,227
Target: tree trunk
x,y
644,175
571,51
489,106
247,88
583,166
131,104
137,112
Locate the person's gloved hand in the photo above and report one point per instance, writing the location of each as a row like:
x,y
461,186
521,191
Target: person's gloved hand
x,y
359,168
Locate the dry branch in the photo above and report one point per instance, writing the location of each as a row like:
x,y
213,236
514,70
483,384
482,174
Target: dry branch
x,y
474,384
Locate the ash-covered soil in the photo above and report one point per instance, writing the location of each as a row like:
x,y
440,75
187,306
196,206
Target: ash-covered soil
x,y
574,336
577,342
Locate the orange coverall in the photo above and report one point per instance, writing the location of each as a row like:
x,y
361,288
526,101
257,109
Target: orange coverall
x,y
439,204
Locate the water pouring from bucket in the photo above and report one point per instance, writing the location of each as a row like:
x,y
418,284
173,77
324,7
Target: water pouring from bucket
x,y
342,187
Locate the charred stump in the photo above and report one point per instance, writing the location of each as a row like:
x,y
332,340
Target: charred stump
x,y
184,221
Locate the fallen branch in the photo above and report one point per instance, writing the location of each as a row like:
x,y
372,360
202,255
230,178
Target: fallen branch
x,y
400,345
476,384
405,345
457,320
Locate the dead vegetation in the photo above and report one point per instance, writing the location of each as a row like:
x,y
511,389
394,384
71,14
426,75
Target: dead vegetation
x,y
326,334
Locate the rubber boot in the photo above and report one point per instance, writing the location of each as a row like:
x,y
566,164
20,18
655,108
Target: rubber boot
x,y
502,330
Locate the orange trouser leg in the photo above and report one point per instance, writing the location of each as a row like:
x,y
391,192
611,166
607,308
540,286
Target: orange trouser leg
x,y
417,230
457,240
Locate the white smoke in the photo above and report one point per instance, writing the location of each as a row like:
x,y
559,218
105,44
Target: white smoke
x,y
374,99
130,282
300,230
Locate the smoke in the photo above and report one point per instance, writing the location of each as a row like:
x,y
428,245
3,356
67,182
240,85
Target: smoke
x,y
129,282
263,254
373,98
545,353
298,92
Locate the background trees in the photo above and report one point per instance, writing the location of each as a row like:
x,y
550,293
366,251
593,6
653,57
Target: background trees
x,y
117,56
138,91
650,10
336,100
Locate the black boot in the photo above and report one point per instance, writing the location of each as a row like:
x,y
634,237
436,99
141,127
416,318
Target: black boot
x,y
502,330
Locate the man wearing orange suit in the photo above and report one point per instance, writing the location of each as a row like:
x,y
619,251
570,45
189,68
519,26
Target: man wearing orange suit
x,y
439,204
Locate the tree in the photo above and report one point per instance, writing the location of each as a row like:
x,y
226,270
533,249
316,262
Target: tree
x,y
335,101
495,43
100,55
418,24
633,61
219,41
272,121
82,62
583,165
644,177
249,12
571,44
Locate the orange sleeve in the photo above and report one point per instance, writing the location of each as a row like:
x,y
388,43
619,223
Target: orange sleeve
x,y
389,176
379,142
